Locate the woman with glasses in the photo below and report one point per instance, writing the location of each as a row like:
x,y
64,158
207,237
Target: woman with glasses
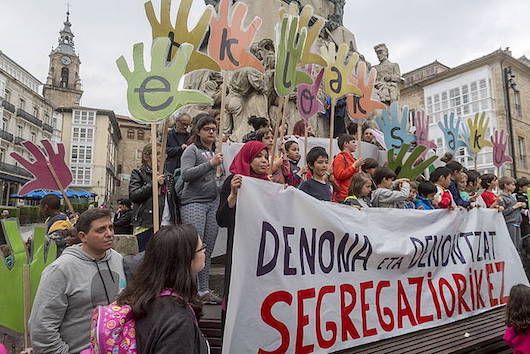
x,y
163,293
200,196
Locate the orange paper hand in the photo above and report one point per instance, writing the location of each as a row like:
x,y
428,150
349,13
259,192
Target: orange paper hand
x,y
360,107
229,43
308,57
179,33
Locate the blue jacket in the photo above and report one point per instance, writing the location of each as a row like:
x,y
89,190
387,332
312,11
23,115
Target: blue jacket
x,y
423,203
453,188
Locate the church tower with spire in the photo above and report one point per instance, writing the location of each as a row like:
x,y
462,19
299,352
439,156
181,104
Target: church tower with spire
x,y
63,84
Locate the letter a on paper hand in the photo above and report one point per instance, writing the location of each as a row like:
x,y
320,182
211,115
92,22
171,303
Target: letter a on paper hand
x,y
153,96
229,43
179,33
339,71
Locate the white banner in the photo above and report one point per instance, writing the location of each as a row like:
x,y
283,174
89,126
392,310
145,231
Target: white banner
x,y
311,276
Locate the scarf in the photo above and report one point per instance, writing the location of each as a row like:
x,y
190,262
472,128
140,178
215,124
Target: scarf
x,y
241,163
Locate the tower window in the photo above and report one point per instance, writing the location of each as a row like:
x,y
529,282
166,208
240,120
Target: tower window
x,y
64,77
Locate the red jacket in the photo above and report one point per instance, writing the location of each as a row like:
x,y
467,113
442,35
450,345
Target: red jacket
x,y
343,172
447,200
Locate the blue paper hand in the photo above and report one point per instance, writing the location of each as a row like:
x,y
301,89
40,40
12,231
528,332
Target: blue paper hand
x,y
454,136
395,129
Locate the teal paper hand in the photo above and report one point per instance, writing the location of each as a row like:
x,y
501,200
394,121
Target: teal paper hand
x,y
454,135
410,168
394,128
290,46
154,95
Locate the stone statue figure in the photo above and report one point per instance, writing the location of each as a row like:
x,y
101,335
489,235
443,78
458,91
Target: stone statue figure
x,y
388,76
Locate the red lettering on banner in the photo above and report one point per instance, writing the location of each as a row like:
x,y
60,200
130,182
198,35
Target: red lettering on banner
x,y
367,332
478,286
489,270
348,328
330,326
302,321
418,281
404,308
461,287
500,268
266,316
434,296
387,311
441,283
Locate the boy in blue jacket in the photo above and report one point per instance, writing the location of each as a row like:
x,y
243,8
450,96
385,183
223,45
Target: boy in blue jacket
x,y
426,192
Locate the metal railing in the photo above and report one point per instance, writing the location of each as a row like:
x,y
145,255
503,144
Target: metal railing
x,y
6,135
29,117
14,170
9,106
47,127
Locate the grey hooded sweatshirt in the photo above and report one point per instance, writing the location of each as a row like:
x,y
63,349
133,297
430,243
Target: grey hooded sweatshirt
x,y
70,288
386,198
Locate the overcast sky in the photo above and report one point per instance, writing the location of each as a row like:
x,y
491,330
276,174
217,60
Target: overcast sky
x,y
417,32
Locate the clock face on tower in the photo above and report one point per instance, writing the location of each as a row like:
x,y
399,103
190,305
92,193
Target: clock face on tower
x,y
66,60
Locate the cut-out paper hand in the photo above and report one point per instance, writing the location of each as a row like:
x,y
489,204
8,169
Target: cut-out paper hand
x,y
339,71
153,96
477,131
421,121
229,43
360,106
499,140
410,168
40,168
11,302
394,128
289,47
179,33
307,100
452,131
308,57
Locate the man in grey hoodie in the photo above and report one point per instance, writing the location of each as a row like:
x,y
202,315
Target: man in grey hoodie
x,y
84,276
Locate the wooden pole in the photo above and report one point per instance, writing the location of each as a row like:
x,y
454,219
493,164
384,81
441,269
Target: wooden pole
x,y
26,288
61,188
284,120
476,162
359,137
219,145
165,128
331,129
275,133
306,124
154,183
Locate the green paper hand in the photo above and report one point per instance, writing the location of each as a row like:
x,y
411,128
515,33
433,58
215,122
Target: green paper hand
x,y
410,168
153,96
339,71
12,301
477,132
290,46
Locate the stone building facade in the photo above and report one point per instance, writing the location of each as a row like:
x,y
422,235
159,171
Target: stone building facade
x,y
26,115
134,137
476,86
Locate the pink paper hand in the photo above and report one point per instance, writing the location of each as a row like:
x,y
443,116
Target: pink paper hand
x,y
422,131
360,107
307,100
43,177
498,140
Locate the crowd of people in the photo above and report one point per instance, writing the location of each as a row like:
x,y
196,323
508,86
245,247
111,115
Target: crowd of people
x,y
165,285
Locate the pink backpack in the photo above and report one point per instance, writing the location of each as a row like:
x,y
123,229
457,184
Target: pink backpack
x,y
113,329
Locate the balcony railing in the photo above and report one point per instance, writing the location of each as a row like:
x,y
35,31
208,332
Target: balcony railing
x,y
6,136
47,127
9,106
18,140
29,117
14,170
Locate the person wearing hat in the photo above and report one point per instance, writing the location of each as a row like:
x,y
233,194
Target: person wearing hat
x,y
123,217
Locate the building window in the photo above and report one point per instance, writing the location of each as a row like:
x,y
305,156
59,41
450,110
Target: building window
x,y
46,118
36,111
54,122
22,104
83,135
130,133
141,134
81,175
20,131
64,77
33,137
521,147
84,117
517,102
2,155
8,96
5,124
81,154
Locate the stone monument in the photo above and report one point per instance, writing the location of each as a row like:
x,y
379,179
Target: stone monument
x,y
250,92
388,76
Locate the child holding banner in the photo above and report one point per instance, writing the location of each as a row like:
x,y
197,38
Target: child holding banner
x,y
384,196
426,192
345,166
251,161
360,189
317,186
518,319
441,177
489,182
290,168
200,197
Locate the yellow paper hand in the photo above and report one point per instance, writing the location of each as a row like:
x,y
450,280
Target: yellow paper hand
x,y
338,70
308,57
477,132
179,33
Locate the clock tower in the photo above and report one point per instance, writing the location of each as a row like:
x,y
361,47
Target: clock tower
x,y
63,84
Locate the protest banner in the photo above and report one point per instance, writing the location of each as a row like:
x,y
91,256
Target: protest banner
x,y
320,277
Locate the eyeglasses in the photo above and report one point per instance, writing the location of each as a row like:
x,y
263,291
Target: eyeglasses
x,y
201,249
209,130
